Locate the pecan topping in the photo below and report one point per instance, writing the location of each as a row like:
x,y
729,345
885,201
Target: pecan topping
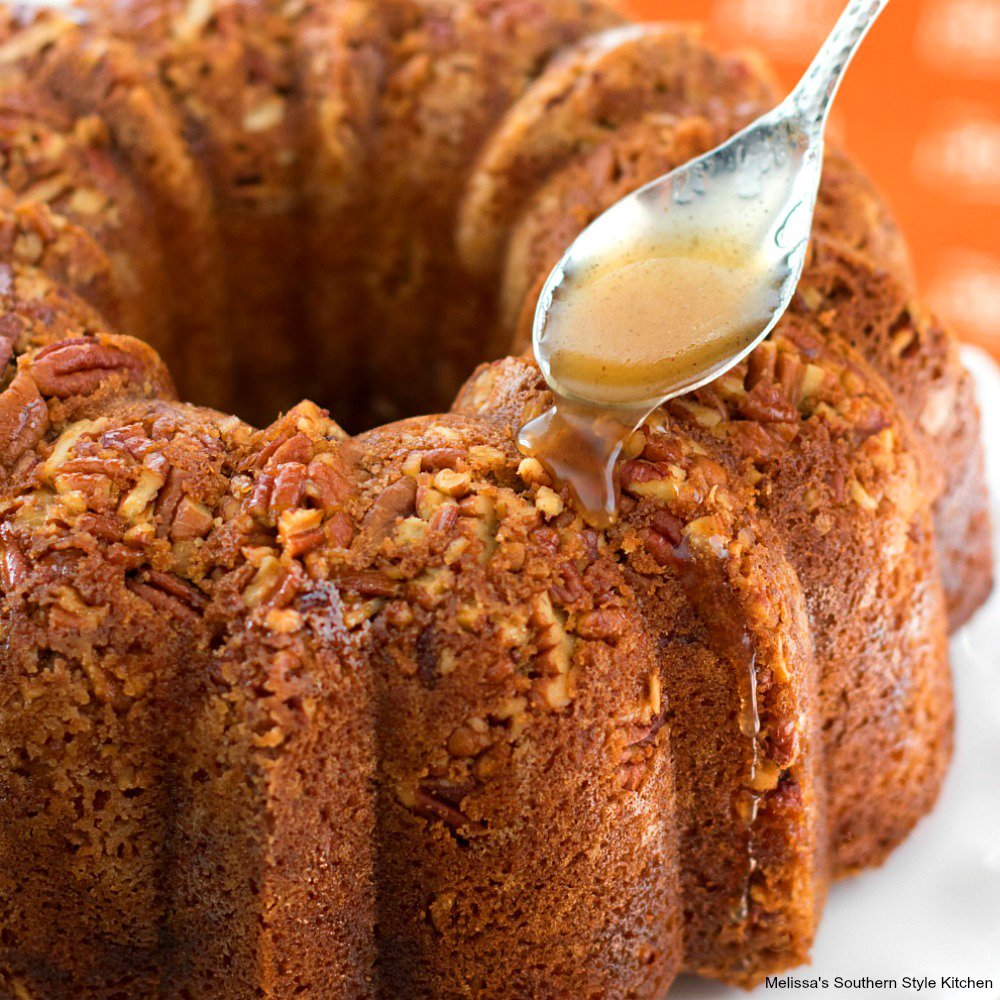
x,y
191,519
444,518
441,458
367,583
297,449
13,565
169,594
768,404
569,586
872,421
606,624
77,367
663,537
289,487
24,418
328,487
394,502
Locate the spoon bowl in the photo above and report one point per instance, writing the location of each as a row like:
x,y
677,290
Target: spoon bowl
x,y
731,227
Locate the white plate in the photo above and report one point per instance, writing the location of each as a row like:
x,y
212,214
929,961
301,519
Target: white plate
x,y
933,909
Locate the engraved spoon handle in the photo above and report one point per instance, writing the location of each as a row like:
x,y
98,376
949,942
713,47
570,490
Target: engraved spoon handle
x,y
810,101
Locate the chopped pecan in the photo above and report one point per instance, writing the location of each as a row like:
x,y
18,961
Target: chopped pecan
x,y
300,530
549,502
327,486
453,484
659,547
444,518
24,418
639,471
266,581
100,526
761,364
666,524
340,530
569,587
169,594
533,472
289,487
606,624
790,372
871,421
767,403
394,502
470,739
661,448
753,441
191,519
13,565
657,481
367,583
78,366
259,502
638,753
546,539
440,799
441,458
298,449
134,504
305,542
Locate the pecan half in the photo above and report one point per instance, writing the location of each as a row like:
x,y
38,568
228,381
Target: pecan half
x,y
77,367
24,418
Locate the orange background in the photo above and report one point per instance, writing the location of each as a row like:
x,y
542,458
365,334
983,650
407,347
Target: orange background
x,y
920,109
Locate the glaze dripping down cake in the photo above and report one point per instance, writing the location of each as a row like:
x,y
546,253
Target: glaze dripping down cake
x,y
290,713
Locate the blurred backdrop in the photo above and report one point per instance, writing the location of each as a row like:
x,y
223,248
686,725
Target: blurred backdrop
x,y
920,109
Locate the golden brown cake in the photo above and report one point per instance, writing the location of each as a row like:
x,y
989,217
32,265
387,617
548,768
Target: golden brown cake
x,y
289,713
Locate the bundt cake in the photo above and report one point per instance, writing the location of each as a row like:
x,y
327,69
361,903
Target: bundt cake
x,y
289,713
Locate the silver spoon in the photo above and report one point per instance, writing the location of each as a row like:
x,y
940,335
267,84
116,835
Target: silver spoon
x,y
680,280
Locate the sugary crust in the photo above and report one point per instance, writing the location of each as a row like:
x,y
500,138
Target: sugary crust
x,y
516,688
599,637
159,603
876,311
287,713
839,472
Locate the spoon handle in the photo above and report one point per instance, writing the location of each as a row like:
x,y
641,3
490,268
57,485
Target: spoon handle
x,y
814,94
